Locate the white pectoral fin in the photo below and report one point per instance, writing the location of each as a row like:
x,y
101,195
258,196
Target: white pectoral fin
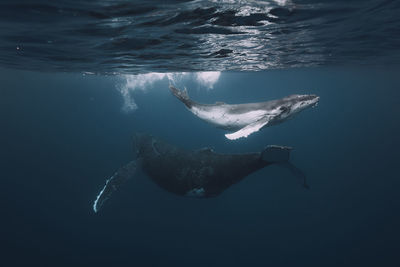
x,y
249,129
124,173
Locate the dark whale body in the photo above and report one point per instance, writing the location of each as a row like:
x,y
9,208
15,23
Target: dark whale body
x,y
201,173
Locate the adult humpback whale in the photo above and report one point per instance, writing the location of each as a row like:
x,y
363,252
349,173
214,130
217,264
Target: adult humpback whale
x,y
202,173
248,118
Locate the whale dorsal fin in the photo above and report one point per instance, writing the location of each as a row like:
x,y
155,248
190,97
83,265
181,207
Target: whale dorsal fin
x,y
205,150
249,129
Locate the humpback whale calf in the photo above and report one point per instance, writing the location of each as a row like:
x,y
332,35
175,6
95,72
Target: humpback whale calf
x,y
248,118
202,173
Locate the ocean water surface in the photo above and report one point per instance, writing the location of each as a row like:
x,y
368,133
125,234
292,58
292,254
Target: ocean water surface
x,y
79,78
120,36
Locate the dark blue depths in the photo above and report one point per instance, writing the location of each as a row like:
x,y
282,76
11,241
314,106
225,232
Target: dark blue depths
x,y
62,135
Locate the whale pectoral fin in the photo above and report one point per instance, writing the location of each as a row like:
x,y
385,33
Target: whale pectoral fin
x,y
249,129
124,173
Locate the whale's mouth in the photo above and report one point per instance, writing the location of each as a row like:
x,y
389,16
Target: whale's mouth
x,y
306,101
315,102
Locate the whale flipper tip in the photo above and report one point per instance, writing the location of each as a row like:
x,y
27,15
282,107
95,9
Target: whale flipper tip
x,y
124,173
249,129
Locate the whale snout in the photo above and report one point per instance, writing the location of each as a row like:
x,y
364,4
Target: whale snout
x,y
313,99
307,97
308,100
301,102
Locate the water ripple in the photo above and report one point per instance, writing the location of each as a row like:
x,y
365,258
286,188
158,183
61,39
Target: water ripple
x,y
116,36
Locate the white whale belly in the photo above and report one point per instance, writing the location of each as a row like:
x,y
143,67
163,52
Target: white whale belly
x,y
221,117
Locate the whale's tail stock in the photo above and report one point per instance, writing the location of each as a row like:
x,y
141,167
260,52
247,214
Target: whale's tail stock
x,y
280,155
182,95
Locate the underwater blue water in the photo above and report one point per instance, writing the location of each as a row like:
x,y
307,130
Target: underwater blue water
x,y
64,134
78,78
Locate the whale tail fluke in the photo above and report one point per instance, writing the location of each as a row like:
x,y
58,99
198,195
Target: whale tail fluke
x,y
182,95
112,184
280,155
276,154
299,174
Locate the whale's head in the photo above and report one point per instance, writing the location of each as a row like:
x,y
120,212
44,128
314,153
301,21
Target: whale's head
x,y
293,104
